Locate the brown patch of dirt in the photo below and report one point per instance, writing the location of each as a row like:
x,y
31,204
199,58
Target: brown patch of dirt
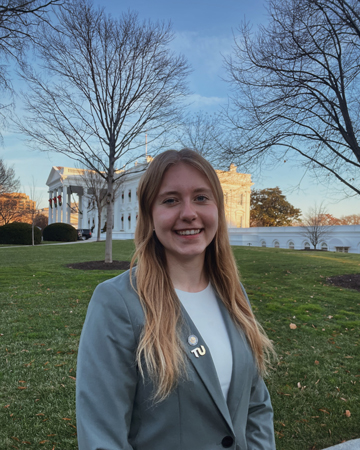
x,y
100,265
349,281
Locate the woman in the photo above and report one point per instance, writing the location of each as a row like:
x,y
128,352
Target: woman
x,y
170,354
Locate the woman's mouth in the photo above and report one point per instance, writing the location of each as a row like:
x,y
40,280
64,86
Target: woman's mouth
x,y
187,232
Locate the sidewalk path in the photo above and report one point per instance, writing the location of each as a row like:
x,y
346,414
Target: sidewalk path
x,y
348,445
58,243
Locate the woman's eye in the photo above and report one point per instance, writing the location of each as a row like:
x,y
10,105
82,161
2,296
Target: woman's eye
x,y
201,198
169,201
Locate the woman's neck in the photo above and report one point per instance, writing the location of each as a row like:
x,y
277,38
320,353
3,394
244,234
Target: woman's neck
x,y
189,275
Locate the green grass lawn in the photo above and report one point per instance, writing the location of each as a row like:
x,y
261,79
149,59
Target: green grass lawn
x,y
314,382
41,243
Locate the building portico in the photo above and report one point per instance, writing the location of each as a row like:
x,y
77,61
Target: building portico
x,y
65,189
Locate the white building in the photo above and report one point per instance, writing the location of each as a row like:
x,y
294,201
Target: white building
x,y
340,238
67,184
67,187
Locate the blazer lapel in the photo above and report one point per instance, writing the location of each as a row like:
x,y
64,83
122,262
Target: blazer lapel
x,y
204,365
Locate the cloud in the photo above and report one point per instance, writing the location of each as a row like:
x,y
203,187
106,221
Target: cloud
x,y
198,102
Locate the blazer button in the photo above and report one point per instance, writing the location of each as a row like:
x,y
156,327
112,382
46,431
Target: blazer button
x,y
227,441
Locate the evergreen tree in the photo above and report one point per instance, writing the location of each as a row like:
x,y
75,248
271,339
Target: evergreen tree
x,y
269,208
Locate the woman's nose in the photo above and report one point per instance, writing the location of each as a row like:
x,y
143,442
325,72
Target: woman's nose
x,y
188,212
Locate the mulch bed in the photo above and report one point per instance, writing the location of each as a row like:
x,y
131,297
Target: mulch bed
x,y
100,265
349,281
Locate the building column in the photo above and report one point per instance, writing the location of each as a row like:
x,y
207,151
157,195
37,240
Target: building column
x,y
54,215
80,209
95,217
84,222
54,209
64,205
58,206
68,209
116,214
246,221
50,209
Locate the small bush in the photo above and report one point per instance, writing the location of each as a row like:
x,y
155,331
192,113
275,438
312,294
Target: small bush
x,y
19,233
62,232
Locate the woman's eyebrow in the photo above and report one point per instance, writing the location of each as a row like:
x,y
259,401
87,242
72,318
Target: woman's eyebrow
x,y
162,194
195,191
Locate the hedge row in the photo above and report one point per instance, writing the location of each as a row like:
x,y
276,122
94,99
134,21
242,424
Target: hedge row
x,y
19,233
62,232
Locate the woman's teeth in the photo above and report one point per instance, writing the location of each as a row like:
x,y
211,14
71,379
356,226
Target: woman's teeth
x,y
188,232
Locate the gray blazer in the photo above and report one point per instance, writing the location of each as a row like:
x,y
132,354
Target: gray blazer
x,y
113,403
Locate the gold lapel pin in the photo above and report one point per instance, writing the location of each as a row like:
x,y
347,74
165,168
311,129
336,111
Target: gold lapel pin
x,y
193,340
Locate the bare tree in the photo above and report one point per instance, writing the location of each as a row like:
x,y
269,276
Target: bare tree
x,y
33,211
19,20
8,181
296,89
315,224
201,132
110,80
96,187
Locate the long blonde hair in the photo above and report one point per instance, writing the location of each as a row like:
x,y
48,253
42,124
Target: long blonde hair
x,y
160,345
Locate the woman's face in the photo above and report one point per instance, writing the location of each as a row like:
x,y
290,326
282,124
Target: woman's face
x,y
185,214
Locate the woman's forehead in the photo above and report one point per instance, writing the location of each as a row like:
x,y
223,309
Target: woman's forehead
x,y
181,174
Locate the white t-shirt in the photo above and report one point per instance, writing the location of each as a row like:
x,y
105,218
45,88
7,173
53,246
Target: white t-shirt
x,y
204,310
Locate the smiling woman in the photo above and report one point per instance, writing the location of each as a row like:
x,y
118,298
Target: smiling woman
x,y
175,335
185,217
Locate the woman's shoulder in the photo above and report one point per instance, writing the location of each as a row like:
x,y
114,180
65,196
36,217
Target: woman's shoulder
x,y
118,293
120,282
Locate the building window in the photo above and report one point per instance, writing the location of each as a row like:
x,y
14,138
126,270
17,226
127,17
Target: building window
x,y
263,244
276,244
307,246
291,245
122,196
129,195
342,249
324,246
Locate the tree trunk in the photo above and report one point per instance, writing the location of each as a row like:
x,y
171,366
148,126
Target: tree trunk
x,y
33,232
109,218
99,225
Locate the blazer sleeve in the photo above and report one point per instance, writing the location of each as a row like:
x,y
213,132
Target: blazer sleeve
x,y
260,424
106,376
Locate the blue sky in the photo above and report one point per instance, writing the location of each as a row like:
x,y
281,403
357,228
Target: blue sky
x,y
203,33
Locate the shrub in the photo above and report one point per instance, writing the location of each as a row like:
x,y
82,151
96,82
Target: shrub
x,y
19,233
62,232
